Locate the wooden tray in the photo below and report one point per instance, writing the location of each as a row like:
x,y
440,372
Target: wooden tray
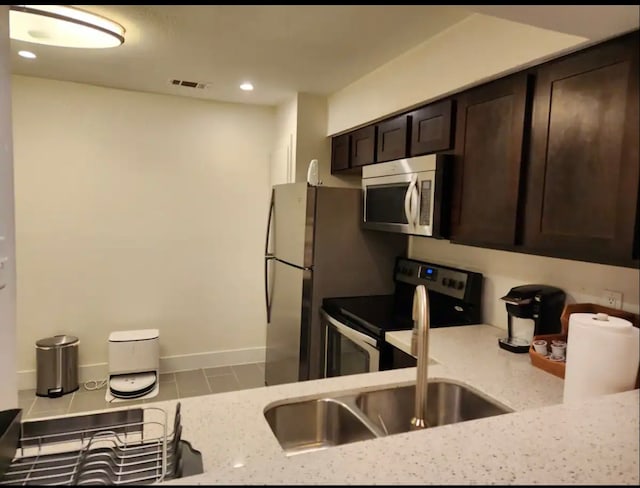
x,y
557,368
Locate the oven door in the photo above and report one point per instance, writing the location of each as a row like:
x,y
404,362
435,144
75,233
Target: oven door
x,y
400,203
348,351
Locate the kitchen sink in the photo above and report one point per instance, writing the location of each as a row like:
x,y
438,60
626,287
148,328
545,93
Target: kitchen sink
x,y
316,424
319,423
391,409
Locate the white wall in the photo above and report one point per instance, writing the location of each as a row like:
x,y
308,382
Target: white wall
x,y
313,143
582,282
283,153
476,48
300,136
135,211
8,389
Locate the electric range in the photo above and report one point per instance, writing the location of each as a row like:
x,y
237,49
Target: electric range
x,y
355,327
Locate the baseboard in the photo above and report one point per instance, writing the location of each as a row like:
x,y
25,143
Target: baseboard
x,y
213,359
168,364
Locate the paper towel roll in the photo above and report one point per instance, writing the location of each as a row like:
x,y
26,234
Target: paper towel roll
x,y
602,356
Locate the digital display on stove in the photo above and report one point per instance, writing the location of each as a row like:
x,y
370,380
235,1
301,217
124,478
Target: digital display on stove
x,y
428,273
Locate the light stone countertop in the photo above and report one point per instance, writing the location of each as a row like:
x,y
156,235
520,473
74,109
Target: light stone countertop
x,y
542,442
400,339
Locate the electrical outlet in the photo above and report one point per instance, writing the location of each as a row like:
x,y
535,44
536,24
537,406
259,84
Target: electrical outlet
x,y
613,299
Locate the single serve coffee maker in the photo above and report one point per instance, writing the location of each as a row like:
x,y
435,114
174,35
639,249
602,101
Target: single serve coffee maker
x,y
531,310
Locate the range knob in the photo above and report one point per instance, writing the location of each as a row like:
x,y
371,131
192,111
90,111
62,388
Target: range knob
x,y
452,283
460,285
445,281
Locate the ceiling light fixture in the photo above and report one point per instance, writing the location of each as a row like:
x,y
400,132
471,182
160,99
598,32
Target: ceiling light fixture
x,y
27,54
246,86
63,26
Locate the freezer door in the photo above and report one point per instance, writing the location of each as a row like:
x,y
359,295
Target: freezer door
x,y
293,220
288,329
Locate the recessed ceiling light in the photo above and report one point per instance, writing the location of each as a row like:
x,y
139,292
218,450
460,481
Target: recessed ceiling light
x,y
27,54
246,86
64,26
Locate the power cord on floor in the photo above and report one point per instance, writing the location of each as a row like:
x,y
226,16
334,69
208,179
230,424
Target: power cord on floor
x,y
97,384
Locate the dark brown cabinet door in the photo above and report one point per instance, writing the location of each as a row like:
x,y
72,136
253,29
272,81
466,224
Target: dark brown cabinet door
x,y
488,155
363,146
393,142
582,184
340,152
431,128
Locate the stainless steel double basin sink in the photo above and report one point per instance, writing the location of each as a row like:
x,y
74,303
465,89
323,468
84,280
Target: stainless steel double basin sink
x,y
331,420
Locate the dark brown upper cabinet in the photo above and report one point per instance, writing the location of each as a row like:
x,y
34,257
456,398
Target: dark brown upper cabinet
x,y
363,146
340,152
393,138
582,183
490,124
432,128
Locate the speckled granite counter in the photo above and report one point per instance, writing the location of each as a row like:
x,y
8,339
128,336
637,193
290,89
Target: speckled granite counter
x,y
400,339
542,442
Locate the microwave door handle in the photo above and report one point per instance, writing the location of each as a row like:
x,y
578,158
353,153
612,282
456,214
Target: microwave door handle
x,y
415,212
407,201
407,205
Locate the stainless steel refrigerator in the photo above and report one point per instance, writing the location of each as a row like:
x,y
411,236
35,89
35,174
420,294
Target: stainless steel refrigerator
x,y
316,248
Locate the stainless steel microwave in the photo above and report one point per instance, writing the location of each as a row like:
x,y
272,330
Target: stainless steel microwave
x,y
409,196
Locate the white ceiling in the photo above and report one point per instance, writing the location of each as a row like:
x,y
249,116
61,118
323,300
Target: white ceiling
x,y
595,22
281,49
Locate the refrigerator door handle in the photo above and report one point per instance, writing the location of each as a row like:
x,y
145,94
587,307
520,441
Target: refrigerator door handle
x,y
267,298
268,257
269,219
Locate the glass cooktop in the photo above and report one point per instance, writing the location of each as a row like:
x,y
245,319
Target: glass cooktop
x,y
376,314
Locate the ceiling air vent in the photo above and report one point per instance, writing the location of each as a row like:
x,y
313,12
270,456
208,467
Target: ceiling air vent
x,y
188,84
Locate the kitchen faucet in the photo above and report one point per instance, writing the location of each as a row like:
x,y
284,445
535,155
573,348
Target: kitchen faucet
x,y
420,348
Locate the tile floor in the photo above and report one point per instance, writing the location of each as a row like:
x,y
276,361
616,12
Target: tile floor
x,y
172,386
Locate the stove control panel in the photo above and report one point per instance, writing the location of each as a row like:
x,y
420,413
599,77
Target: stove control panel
x,y
442,279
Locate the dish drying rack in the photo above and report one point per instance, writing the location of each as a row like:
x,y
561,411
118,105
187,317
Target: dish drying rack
x,y
113,448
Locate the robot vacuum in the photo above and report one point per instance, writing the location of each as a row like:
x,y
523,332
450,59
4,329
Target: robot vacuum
x,y
129,386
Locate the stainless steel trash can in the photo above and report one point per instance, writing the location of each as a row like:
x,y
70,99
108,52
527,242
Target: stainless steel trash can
x,y
57,365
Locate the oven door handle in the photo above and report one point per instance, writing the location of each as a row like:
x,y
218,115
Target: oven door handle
x,y
350,333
